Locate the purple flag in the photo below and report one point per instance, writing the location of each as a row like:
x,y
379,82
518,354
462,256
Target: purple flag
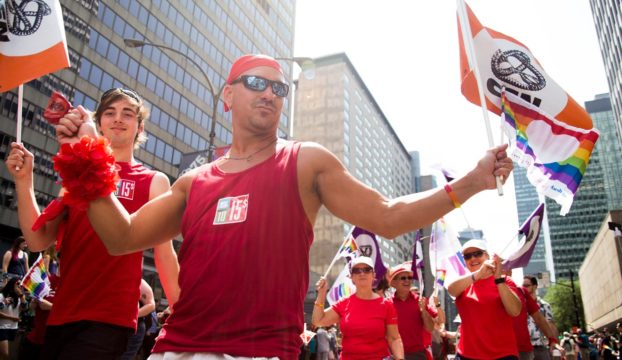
x,y
531,230
417,263
368,246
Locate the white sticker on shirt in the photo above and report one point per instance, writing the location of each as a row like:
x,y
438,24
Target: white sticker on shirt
x,y
125,189
231,210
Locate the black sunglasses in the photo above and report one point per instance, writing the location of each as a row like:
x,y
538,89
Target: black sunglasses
x,y
362,270
402,278
127,92
476,254
257,83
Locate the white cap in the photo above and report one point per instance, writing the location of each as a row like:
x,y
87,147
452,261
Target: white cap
x,y
475,243
361,260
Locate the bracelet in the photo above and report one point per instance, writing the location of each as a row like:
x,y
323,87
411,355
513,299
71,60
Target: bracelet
x,y
452,196
473,277
88,171
319,305
500,280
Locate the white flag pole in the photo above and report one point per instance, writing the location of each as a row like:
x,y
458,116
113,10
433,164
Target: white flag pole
x,y
18,132
337,254
472,58
20,98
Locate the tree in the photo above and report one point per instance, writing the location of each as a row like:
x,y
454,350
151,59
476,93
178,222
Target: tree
x,y
561,299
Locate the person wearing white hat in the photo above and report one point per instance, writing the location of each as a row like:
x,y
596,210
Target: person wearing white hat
x,y
486,301
415,316
367,321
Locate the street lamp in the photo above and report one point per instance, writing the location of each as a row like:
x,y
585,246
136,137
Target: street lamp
x,y
306,64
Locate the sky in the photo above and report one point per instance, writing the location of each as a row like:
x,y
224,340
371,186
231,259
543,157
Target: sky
x,y
406,52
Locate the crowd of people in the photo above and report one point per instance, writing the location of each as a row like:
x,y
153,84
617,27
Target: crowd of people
x,y
247,223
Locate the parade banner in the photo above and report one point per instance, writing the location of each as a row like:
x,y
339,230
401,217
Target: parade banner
x,y
417,262
342,287
32,41
531,230
503,61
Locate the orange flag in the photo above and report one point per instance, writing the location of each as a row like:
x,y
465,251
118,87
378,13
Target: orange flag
x,y
504,61
32,41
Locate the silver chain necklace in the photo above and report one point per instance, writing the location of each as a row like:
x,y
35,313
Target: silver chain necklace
x,y
249,157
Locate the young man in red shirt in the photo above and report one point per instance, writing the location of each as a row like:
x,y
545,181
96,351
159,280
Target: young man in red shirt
x,y
96,303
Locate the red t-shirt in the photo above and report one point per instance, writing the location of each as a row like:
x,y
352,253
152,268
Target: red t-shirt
x,y
410,323
486,330
363,324
244,263
529,306
94,285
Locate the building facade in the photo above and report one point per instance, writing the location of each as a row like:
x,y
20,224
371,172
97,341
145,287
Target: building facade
x,y
336,110
212,33
608,22
610,149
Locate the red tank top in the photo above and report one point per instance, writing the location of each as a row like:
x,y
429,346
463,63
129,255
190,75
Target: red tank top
x,y
244,263
94,285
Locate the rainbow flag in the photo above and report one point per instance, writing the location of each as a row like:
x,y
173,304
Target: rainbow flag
x,y
348,248
554,153
440,277
36,280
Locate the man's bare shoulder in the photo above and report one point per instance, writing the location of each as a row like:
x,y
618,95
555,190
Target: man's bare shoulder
x,y
313,152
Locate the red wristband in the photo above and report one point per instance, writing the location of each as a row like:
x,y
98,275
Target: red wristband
x,y
452,196
553,340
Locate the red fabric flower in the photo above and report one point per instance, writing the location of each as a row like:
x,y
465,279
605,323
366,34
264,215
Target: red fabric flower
x,y
87,169
57,107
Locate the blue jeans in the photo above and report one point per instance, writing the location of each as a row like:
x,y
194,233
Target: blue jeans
x,y
135,342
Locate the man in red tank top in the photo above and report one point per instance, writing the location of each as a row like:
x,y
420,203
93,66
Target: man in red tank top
x,y
247,221
95,306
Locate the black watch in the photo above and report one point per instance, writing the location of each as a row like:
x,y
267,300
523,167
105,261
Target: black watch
x,y
500,280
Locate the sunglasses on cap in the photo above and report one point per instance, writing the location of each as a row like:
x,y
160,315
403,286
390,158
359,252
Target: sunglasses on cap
x,y
127,92
476,254
405,277
257,83
362,270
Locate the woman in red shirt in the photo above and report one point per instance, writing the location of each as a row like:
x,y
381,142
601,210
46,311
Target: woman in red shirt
x,y
367,321
486,302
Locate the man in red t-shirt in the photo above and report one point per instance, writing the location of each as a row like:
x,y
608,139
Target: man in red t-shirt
x,y
247,221
96,301
415,317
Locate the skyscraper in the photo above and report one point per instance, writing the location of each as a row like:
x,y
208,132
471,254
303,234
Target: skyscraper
x,y
610,149
336,109
608,24
212,33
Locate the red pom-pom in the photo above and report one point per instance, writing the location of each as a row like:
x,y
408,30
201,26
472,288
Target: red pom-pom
x,y
88,171
57,107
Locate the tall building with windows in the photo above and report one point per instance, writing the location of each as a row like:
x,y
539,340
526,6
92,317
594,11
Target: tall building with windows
x,y
337,110
608,22
610,150
212,33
